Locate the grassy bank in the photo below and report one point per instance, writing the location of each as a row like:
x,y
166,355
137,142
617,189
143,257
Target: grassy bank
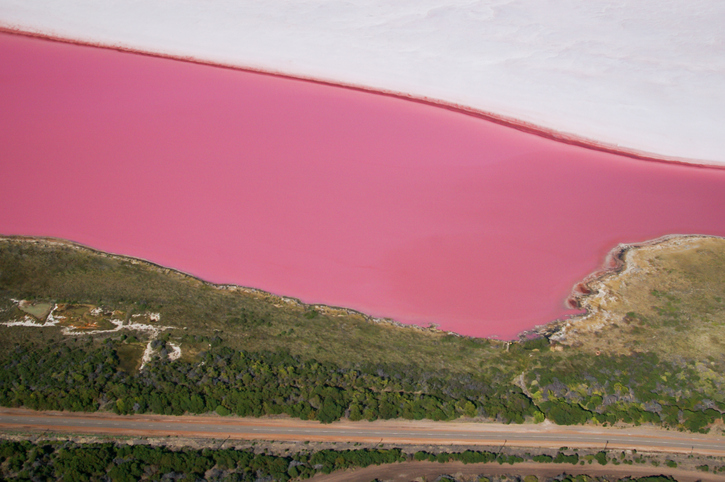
x,y
252,353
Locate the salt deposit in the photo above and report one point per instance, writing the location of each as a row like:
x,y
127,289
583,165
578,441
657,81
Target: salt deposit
x,y
642,76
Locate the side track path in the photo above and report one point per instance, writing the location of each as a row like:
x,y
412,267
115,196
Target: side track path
x,y
403,432
408,471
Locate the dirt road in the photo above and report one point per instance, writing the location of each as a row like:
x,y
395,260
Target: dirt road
x,y
402,432
408,471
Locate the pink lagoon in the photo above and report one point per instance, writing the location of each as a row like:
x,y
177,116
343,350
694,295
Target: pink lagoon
x,y
332,195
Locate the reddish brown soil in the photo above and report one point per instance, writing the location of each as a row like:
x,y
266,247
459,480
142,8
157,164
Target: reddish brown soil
x,y
408,471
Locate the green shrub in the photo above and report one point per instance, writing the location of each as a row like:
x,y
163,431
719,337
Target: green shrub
x,y
601,457
545,459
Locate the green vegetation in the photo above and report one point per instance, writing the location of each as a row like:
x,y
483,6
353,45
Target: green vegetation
x,y
245,352
62,460
601,457
671,301
248,320
655,478
80,377
86,462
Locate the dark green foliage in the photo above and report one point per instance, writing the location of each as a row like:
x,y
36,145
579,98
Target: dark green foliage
x,y
508,459
332,460
69,461
563,413
420,456
656,478
535,344
119,462
545,459
246,384
303,375
562,458
471,457
57,378
696,421
632,381
78,376
578,478
508,406
601,457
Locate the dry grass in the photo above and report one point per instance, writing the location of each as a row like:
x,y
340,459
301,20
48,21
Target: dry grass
x,y
38,310
668,298
53,271
129,356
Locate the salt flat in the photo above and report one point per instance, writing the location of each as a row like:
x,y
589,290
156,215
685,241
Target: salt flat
x,y
644,76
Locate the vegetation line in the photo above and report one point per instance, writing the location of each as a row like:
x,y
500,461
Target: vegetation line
x,y
654,357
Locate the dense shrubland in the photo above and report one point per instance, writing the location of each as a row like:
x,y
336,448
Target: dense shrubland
x,y
83,378
227,381
253,354
117,462
62,460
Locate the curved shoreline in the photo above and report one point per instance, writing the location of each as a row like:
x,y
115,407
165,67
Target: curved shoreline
x,y
614,264
326,309
510,122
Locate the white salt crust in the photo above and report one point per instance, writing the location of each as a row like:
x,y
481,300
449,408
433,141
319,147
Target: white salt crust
x,y
643,75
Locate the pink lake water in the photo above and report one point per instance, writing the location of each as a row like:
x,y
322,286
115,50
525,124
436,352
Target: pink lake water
x,y
331,195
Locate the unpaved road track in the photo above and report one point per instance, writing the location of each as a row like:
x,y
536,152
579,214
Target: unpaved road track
x,y
407,471
401,432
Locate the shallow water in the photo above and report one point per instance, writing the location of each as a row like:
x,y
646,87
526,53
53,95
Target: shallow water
x,y
331,195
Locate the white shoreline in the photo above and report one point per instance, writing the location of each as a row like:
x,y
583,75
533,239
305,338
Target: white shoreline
x,y
629,75
154,330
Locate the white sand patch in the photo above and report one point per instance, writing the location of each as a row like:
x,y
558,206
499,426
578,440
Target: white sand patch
x,y
150,316
175,351
642,75
147,354
52,318
152,330
26,321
